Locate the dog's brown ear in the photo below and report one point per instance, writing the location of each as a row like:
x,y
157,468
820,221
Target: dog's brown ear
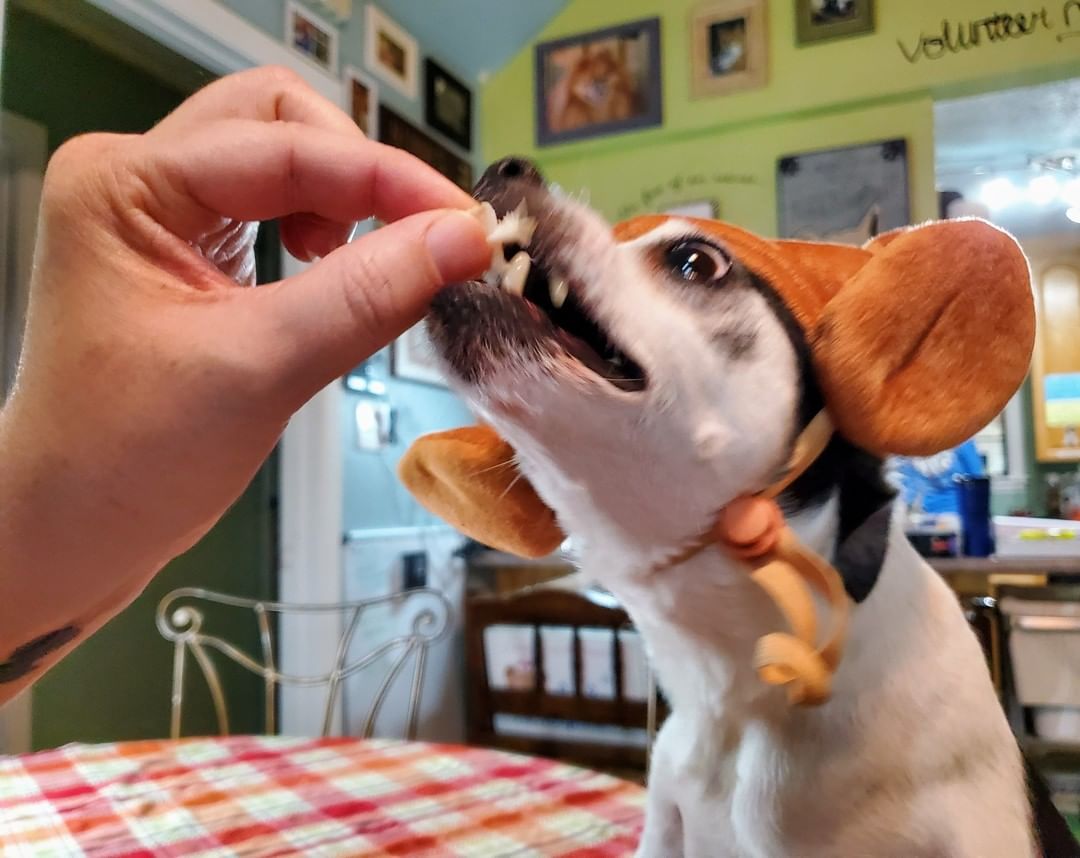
x,y
925,344
469,478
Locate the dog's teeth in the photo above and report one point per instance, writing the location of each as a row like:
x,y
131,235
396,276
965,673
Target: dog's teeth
x,y
517,272
558,289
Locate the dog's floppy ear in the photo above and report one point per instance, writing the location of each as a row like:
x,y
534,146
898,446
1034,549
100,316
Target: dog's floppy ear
x,y
925,344
469,478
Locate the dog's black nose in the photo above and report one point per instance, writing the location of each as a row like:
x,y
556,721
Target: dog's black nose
x,y
512,169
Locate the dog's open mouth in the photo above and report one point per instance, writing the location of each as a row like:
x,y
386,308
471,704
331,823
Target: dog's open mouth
x,y
549,295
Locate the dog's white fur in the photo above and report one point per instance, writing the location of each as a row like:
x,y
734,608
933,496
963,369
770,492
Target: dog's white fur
x,y
912,755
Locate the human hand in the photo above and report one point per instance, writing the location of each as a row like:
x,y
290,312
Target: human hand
x,y
153,383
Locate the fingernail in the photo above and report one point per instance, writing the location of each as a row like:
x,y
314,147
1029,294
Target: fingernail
x,y
485,215
458,246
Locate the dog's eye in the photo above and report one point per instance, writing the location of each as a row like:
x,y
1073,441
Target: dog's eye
x,y
696,261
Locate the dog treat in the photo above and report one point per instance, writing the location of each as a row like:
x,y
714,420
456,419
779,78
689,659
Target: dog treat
x,y
516,229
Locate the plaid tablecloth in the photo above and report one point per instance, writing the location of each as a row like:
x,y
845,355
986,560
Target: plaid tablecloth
x,y
265,796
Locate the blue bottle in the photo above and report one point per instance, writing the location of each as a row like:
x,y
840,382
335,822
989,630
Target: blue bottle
x,y
974,497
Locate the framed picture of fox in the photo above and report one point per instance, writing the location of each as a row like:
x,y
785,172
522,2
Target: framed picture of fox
x,y
598,83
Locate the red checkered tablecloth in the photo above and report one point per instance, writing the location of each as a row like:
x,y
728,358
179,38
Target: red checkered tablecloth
x,y
264,796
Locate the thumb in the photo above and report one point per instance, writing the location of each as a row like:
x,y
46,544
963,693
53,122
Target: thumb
x,y
347,306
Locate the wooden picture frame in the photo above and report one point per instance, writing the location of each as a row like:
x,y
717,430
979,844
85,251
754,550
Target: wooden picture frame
x,y
362,101
825,20
311,36
729,47
629,53
396,131
391,52
448,104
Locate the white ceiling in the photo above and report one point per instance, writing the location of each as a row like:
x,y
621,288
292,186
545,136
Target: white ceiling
x,y
998,134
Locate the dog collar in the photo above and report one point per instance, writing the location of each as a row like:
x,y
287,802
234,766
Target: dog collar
x,y
752,529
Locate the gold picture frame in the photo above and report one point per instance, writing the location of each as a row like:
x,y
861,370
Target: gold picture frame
x,y
728,47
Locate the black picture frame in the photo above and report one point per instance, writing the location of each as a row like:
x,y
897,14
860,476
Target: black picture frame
x,y
646,95
396,131
847,194
448,104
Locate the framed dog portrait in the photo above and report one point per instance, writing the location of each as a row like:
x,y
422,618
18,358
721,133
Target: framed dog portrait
x,y
311,36
395,131
391,52
598,83
821,20
447,104
846,195
362,101
728,47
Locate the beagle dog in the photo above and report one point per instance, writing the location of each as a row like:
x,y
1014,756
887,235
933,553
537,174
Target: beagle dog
x,y
636,383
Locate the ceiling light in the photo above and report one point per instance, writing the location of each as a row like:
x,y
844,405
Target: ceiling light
x,y
1070,192
1073,214
999,193
1043,190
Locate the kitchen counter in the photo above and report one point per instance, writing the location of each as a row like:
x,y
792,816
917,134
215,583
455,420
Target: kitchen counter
x,y
1006,565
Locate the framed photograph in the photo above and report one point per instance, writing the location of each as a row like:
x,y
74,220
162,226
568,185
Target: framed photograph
x,y
311,36
413,357
391,52
821,20
698,208
728,47
447,104
598,83
845,195
362,100
395,131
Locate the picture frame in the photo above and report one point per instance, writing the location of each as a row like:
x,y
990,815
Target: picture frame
x,y
413,357
311,36
707,209
448,104
622,61
362,101
729,47
825,20
396,131
391,52
847,195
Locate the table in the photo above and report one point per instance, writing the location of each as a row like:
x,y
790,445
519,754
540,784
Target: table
x,y
273,796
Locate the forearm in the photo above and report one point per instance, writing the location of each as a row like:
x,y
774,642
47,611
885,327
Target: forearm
x,y
68,563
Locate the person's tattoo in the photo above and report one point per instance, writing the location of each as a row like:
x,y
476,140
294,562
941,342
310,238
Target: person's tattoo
x,y
25,659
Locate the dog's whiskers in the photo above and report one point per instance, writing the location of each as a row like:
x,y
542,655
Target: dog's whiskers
x,y
507,490
495,467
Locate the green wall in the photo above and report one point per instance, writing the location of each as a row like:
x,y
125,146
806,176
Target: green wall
x,y
117,684
840,92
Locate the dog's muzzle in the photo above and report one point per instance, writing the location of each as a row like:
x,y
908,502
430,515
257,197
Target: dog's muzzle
x,y
534,308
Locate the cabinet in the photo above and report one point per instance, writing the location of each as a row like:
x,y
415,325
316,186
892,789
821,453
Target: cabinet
x,y
1055,374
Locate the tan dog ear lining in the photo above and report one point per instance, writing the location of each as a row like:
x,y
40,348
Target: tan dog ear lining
x,y
928,341
468,477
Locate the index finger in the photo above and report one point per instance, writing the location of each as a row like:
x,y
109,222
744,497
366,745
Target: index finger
x,y
248,170
268,94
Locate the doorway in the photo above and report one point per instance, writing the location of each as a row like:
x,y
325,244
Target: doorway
x,y
1013,157
117,684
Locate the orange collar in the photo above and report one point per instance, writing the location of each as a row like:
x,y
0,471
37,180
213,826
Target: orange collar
x,y
752,528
